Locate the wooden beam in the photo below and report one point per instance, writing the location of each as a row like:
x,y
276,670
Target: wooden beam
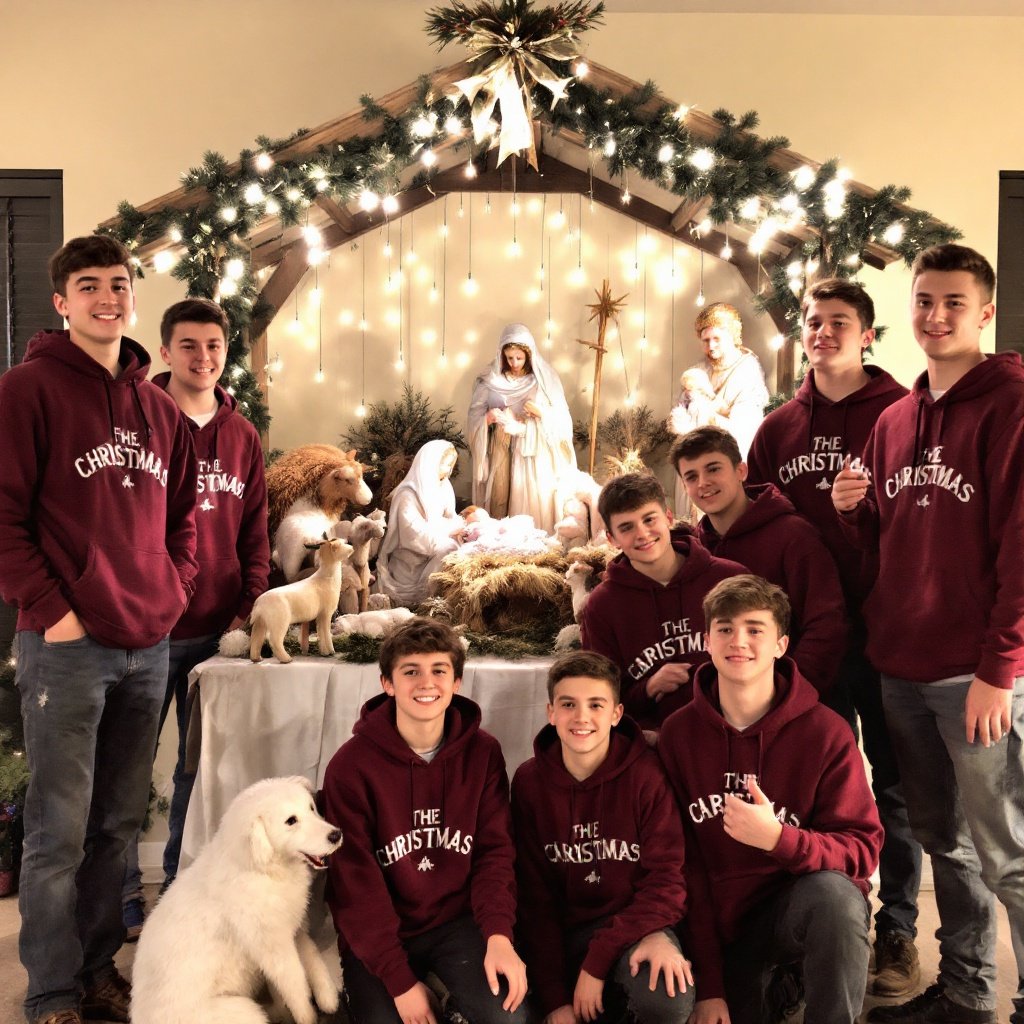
x,y
690,210
282,283
338,214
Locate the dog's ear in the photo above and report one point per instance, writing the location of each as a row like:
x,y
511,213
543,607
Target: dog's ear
x,y
259,844
303,782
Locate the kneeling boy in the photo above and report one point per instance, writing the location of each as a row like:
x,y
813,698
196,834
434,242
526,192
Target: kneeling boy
x,y
600,859
424,881
783,834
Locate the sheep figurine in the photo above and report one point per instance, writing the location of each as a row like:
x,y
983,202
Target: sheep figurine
x,y
364,533
315,597
580,578
375,623
576,497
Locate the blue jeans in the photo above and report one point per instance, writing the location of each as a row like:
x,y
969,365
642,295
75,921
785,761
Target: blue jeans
x,y
90,716
858,694
819,924
183,657
966,805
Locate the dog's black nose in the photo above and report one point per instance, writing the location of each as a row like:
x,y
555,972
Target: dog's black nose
x,y
335,836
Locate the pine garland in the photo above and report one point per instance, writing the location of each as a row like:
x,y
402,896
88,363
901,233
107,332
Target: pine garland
x,y
637,133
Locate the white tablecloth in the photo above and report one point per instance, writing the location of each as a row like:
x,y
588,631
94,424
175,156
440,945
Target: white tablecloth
x,y
269,719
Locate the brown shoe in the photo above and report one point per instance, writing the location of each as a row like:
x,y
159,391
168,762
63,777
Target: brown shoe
x,y
108,1001
897,971
67,1016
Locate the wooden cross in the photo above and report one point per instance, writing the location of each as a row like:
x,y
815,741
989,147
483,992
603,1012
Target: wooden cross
x,y
606,308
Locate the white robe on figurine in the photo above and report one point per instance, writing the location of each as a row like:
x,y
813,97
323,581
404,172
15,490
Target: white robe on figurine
x,y
527,453
420,526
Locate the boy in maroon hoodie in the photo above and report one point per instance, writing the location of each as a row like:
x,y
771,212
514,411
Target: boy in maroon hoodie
x,y
600,863
97,542
425,880
645,614
758,527
232,546
800,447
940,498
782,831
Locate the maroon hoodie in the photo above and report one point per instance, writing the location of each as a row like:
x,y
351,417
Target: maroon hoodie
x,y
424,842
806,761
610,847
232,545
776,542
641,625
97,491
946,513
801,446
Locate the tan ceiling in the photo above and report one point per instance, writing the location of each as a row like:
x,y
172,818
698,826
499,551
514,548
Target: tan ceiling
x,y
940,8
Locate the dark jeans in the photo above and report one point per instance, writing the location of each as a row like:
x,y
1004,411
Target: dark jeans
x,y
184,655
967,807
455,953
626,997
858,693
90,715
820,924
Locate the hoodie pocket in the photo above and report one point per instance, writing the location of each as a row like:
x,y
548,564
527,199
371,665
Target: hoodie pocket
x,y
218,593
128,597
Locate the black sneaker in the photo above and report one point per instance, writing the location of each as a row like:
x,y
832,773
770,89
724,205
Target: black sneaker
x,y
897,970
930,1007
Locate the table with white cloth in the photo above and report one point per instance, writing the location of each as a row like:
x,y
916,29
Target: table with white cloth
x,y
267,719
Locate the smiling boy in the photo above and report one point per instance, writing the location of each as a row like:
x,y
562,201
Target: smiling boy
x,y
782,831
425,880
942,505
646,613
600,859
758,527
97,535
800,448
232,546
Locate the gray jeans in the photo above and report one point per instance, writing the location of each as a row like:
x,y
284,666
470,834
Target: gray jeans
x,y
90,716
966,806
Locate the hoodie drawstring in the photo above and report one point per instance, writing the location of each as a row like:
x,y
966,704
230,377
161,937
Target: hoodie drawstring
x,y
138,405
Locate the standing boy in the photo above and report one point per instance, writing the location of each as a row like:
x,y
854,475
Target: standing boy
x,y
232,546
940,499
800,448
97,491
600,864
646,614
758,527
425,879
782,835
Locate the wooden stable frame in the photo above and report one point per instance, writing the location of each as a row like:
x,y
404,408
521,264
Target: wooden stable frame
x,y
285,251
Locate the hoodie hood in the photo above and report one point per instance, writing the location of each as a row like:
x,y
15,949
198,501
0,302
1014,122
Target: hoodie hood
x,y
626,745
377,725
696,557
134,360
205,437
767,504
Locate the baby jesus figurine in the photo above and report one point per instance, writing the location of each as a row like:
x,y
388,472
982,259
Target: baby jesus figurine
x,y
516,535
696,404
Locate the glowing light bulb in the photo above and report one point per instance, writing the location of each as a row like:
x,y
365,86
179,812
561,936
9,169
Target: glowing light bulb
x,y
368,200
422,127
703,159
803,178
625,198
400,363
228,214
776,342
360,411
312,235
452,125
272,206
432,294
387,251
550,326
234,268
389,204
429,158
700,298
346,317
294,327
666,153
253,194
557,220
577,278
164,261
681,111
293,194
319,377
726,253
175,234
315,297
642,343
515,250
443,230
609,146
263,162
411,256
227,287
470,287
515,208
429,336
472,337
470,171
315,256
581,69
893,234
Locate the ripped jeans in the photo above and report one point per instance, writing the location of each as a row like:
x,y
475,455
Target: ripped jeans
x,y
90,716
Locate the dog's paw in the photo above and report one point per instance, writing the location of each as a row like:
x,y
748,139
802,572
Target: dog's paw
x,y
327,998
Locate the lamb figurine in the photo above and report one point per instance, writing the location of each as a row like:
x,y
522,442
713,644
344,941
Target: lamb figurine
x,y
364,533
375,623
580,578
315,597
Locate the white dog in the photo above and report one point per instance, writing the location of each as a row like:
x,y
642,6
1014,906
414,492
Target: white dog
x,y
234,918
